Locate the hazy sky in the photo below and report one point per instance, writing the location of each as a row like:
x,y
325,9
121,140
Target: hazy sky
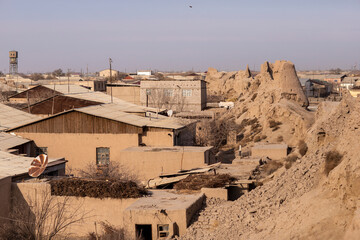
x,y
169,35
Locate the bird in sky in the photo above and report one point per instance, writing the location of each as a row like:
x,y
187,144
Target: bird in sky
x,y
190,6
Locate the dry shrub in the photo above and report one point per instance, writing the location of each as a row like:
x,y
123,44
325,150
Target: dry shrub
x,y
110,232
332,159
273,123
280,139
113,171
289,160
271,167
263,137
109,188
257,138
198,181
302,147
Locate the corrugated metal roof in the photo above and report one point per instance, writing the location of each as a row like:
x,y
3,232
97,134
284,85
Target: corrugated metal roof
x,y
66,89
12,165
115,112
105,98
11,117
8,141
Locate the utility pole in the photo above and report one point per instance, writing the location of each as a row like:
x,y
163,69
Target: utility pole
x,y
68,75
110,61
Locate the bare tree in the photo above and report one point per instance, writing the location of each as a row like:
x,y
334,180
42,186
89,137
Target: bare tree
x,y
43,217
113,170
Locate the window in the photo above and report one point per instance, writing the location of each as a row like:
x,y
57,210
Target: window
x,y
163,231
186,92
41,150
102,156
168,92
148,92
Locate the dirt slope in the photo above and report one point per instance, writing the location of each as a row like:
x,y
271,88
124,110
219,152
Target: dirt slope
x,y
274,94
301,202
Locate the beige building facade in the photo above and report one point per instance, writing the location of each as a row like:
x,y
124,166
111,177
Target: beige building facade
x,y
126,92
161,215
182,95
106,73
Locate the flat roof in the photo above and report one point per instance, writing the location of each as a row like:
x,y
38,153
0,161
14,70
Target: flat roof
x,y
105,98
13,165
167,149
270,146
161,199
66,89
116,112
11,117
8,141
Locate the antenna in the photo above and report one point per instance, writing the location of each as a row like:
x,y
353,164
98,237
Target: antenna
x,y
38,165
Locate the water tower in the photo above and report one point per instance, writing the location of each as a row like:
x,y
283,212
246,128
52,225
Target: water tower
x,y
13,67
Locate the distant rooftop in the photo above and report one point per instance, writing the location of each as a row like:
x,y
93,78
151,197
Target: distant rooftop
x,y
105,98
11,117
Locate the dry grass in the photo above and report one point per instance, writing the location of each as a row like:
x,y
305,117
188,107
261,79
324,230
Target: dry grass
x,y
271,167
198,181
303,148
289,160
274,124
110,232
332,159
280,138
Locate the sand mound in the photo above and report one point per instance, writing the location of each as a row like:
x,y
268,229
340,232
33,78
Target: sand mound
x,y
273,94
301,202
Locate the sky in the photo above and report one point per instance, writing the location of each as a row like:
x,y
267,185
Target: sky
x,y
169,35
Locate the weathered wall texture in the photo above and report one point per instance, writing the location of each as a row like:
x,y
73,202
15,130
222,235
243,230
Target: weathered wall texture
x,y
97,210
127,93
171,95
5,198
80,149
156,161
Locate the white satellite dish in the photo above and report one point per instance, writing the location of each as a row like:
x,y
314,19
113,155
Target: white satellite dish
x,y
38,165
170,113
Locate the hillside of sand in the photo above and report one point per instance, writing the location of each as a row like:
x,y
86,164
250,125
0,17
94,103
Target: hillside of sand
x,y
315,198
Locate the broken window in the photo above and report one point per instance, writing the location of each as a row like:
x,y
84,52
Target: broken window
x,y
163,231
102,156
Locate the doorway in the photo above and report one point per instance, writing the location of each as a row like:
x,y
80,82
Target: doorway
x,y
143,231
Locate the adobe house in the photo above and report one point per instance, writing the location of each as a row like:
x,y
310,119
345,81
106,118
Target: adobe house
x,y
15,168
125,91
161,215
151,162
97,134
273,151
178,95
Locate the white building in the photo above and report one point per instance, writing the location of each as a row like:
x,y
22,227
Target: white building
x,y
144,73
